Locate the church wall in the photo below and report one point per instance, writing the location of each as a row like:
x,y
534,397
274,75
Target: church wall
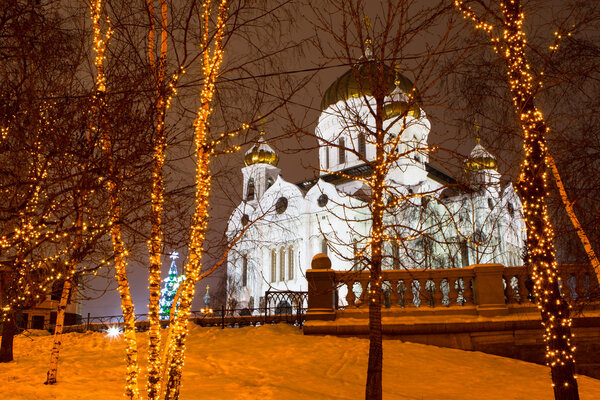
x,y
472,227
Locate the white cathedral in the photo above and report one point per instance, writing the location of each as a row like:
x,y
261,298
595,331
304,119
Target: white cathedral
x,y
432,221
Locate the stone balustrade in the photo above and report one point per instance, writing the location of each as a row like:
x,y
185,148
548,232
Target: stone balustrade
x,y
487,289
488,308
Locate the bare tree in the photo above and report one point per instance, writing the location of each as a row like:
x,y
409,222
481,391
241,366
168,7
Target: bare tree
x,y
373,117
44,156
504,25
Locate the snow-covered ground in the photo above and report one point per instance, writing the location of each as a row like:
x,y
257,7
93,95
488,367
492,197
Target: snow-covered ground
x,y
278,362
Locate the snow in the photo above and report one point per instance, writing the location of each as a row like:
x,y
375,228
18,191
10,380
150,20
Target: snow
x,y
277,362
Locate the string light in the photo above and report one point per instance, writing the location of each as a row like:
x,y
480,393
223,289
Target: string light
x,y
164,94
211,66
510,45
120,253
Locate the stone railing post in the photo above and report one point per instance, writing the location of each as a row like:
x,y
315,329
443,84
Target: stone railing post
x,y
321,289
488,290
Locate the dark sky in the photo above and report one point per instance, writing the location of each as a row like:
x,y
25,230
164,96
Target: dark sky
x,y
286,48
289,129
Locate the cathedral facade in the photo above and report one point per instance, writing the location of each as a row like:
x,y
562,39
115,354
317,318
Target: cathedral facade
x,y
431,220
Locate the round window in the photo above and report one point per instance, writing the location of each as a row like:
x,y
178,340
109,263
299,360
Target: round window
x,y
281,205
322,200
245,219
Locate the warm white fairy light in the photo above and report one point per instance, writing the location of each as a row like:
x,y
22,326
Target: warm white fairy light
x,y
509,42
211,67
120,253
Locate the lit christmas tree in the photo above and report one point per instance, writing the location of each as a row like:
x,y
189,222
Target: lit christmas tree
x,y
167,293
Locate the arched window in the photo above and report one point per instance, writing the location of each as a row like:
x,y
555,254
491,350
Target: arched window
x,y
511,209
464,253
325,157
362,145
273,265
282,264
342,151
356,263
395,255
324,246
250,190
245,270
290,263
427,252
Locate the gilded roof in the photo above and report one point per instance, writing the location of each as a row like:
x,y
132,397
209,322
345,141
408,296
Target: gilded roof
x,y
357,82
480,159
261,153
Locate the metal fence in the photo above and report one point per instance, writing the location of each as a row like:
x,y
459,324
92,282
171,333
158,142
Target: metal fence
x,y
279,306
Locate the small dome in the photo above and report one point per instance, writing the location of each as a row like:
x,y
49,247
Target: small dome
x,y
261,153
480,159
357,82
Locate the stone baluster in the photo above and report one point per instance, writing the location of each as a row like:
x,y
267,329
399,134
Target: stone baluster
x,y
468,290
452,290
509,292
422,292
523,291
350,296
401,290
364,296
408,294
580,283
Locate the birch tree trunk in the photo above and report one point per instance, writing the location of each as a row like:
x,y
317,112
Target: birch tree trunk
x,y
211,68
155,245
58,330
100,42
587,246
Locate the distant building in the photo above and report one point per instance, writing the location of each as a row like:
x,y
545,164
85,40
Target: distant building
x,y
437,223
43,315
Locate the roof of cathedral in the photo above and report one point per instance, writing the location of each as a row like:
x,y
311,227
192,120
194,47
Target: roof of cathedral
x,y
261,153
365,170
357,81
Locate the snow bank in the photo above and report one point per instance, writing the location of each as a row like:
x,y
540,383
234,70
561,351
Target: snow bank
x,y
278,362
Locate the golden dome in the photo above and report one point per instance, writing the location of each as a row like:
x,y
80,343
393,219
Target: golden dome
x,y
480,159
400,108
261,153
356,82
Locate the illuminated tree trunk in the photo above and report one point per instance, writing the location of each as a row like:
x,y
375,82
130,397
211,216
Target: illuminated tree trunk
x,y
533,189
131,378
211,67
58,329
66,292
155,245
587,246
131,389
374,385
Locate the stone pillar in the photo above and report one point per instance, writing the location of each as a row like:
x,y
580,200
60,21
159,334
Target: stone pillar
x,y
321,289
488,290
